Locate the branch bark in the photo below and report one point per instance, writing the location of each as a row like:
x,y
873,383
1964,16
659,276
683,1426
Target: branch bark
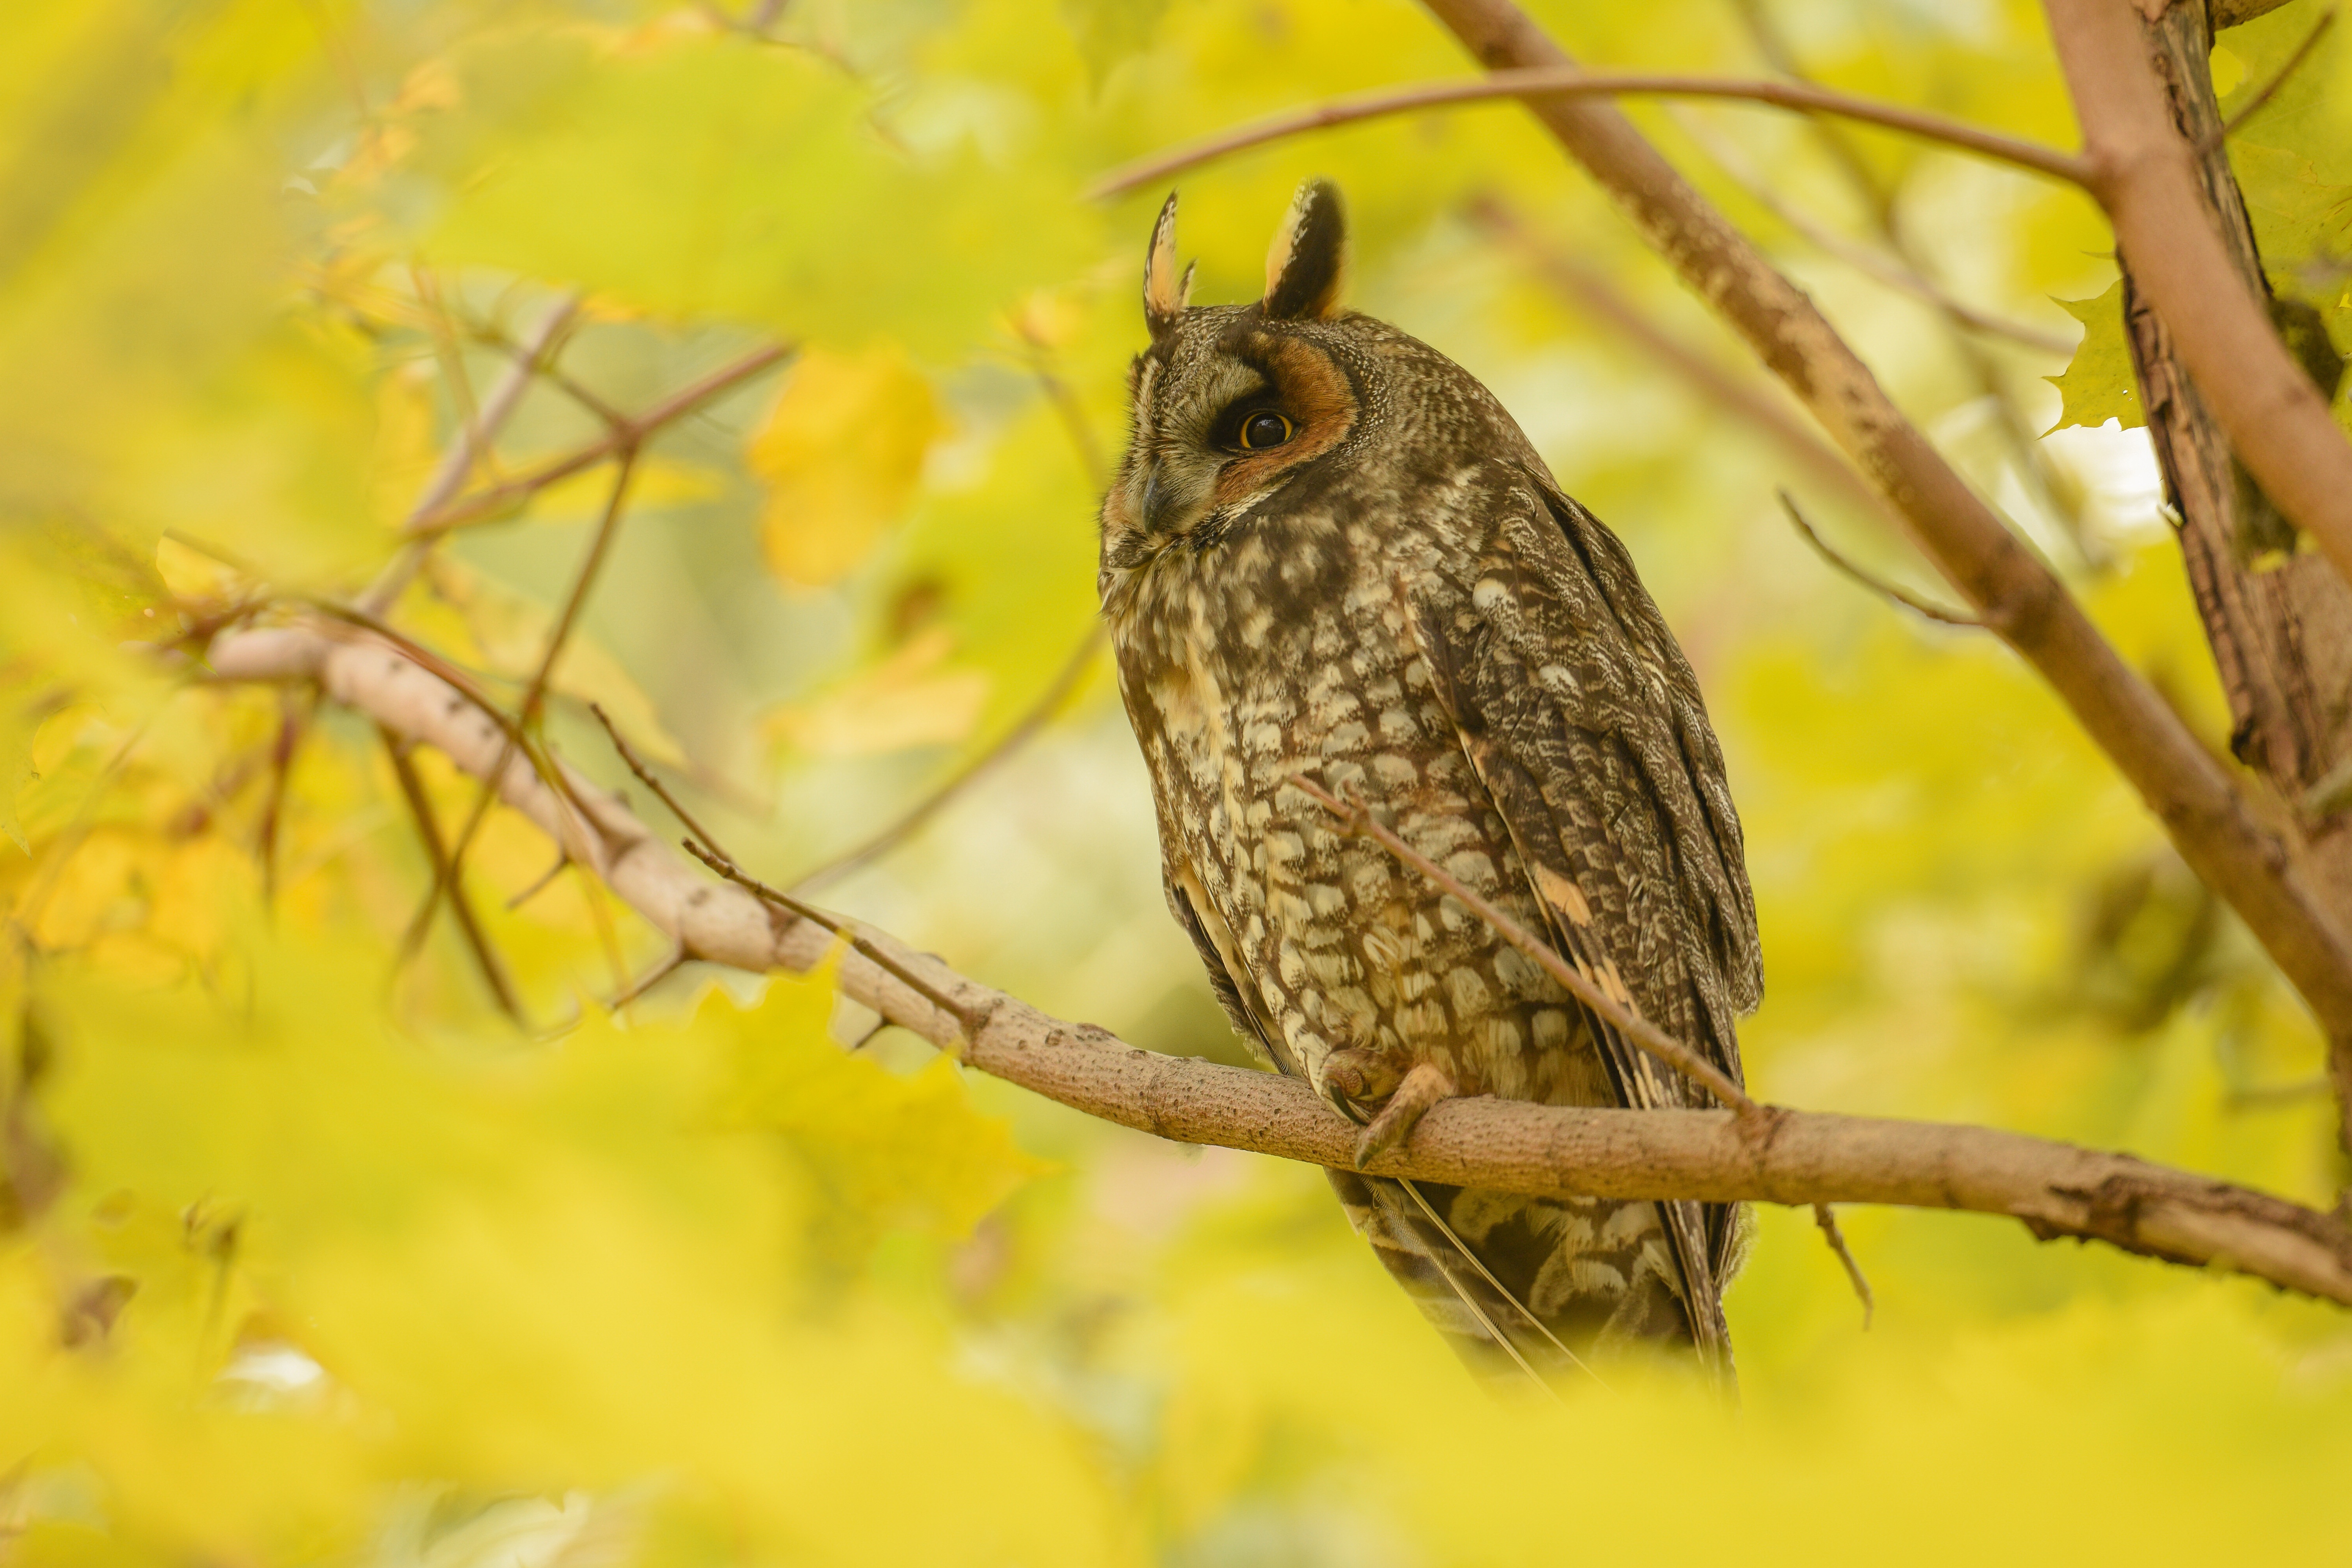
x,y
2012,592
1782,1156
1557,82
2145,174
2280,624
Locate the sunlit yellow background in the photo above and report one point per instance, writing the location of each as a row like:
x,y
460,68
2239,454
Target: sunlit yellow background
x,y
309,1255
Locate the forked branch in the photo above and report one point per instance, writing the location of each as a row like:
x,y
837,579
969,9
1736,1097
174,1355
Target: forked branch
x,y
2008,589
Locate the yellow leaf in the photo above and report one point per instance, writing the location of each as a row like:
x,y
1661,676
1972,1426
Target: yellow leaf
x,y
195,577
906,701
889,1150
2100,383
841,454
512,632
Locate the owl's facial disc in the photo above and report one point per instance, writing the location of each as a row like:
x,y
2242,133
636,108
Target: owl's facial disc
x,y
1221,423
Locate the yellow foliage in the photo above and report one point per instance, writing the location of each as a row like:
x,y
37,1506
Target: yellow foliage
x,y
840,454
907,699
310,1252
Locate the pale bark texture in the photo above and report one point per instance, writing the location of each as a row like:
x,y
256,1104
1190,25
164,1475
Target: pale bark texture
x,y
1772,1155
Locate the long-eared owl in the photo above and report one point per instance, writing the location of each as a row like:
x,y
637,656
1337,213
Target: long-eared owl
x,y
1330,553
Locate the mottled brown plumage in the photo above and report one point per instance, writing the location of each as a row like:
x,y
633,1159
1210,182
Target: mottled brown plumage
x,y
1381,587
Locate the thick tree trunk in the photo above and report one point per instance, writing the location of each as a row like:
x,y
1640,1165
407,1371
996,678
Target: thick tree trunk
x,y
2279,620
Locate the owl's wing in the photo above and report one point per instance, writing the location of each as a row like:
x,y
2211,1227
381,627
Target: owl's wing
x,y
1194,910
1586,726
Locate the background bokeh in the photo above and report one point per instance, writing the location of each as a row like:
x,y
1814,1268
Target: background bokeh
x,y
311,1255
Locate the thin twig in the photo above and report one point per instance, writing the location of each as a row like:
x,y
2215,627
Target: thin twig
x,y
645,776
451,353
1826,1217
542,882
27,916
1586,288
1041,713
496,500
428,831
679,959
1904,597
473,444
293,718
2294,63
704,846
488,334
1357,819
840,927
527,711
1066,402
1549,83
1893,271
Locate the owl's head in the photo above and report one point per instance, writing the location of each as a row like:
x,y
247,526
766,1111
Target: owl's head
x,y
1232,404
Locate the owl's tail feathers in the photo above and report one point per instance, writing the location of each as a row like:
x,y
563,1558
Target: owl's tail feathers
x,y
1525,1290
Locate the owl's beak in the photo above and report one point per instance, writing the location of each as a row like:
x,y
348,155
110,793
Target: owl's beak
x,y
1171,499
1159,501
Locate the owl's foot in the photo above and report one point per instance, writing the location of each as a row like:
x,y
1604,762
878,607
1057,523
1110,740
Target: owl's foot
x,y
1360,1076
1424,1087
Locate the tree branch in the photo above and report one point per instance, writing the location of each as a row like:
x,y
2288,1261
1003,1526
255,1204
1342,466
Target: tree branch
x,y
1554,83
2012,592
495,502
1890,266
1585,288
2144,173
1795,1157
898,831
1884,590
473,443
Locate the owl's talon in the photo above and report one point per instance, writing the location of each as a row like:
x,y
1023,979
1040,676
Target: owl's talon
x,y
1424,1087
1363,1076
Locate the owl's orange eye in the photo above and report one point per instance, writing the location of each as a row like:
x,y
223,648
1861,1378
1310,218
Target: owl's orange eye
x,y
1260,431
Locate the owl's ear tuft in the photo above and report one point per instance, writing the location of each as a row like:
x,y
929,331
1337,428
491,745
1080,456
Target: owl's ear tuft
x,y
1304,265
1164,292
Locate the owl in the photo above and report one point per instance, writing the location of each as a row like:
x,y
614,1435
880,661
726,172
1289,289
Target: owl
x,y
1330,555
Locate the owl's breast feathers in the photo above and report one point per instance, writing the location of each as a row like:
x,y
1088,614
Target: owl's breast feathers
x,y
1470,653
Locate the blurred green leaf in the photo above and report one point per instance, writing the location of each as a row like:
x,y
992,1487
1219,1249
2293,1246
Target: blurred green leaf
x,y
2099,384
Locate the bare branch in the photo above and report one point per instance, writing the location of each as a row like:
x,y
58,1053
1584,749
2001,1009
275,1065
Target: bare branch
x,y
2013,592
1799,1158
428,833
2144,173
1585,288
1826,1217
646,777
489,504
293,718
541,883
1885,590
1892,270
1902,259
1557,83
677,959
473,444
1041,713
535,693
